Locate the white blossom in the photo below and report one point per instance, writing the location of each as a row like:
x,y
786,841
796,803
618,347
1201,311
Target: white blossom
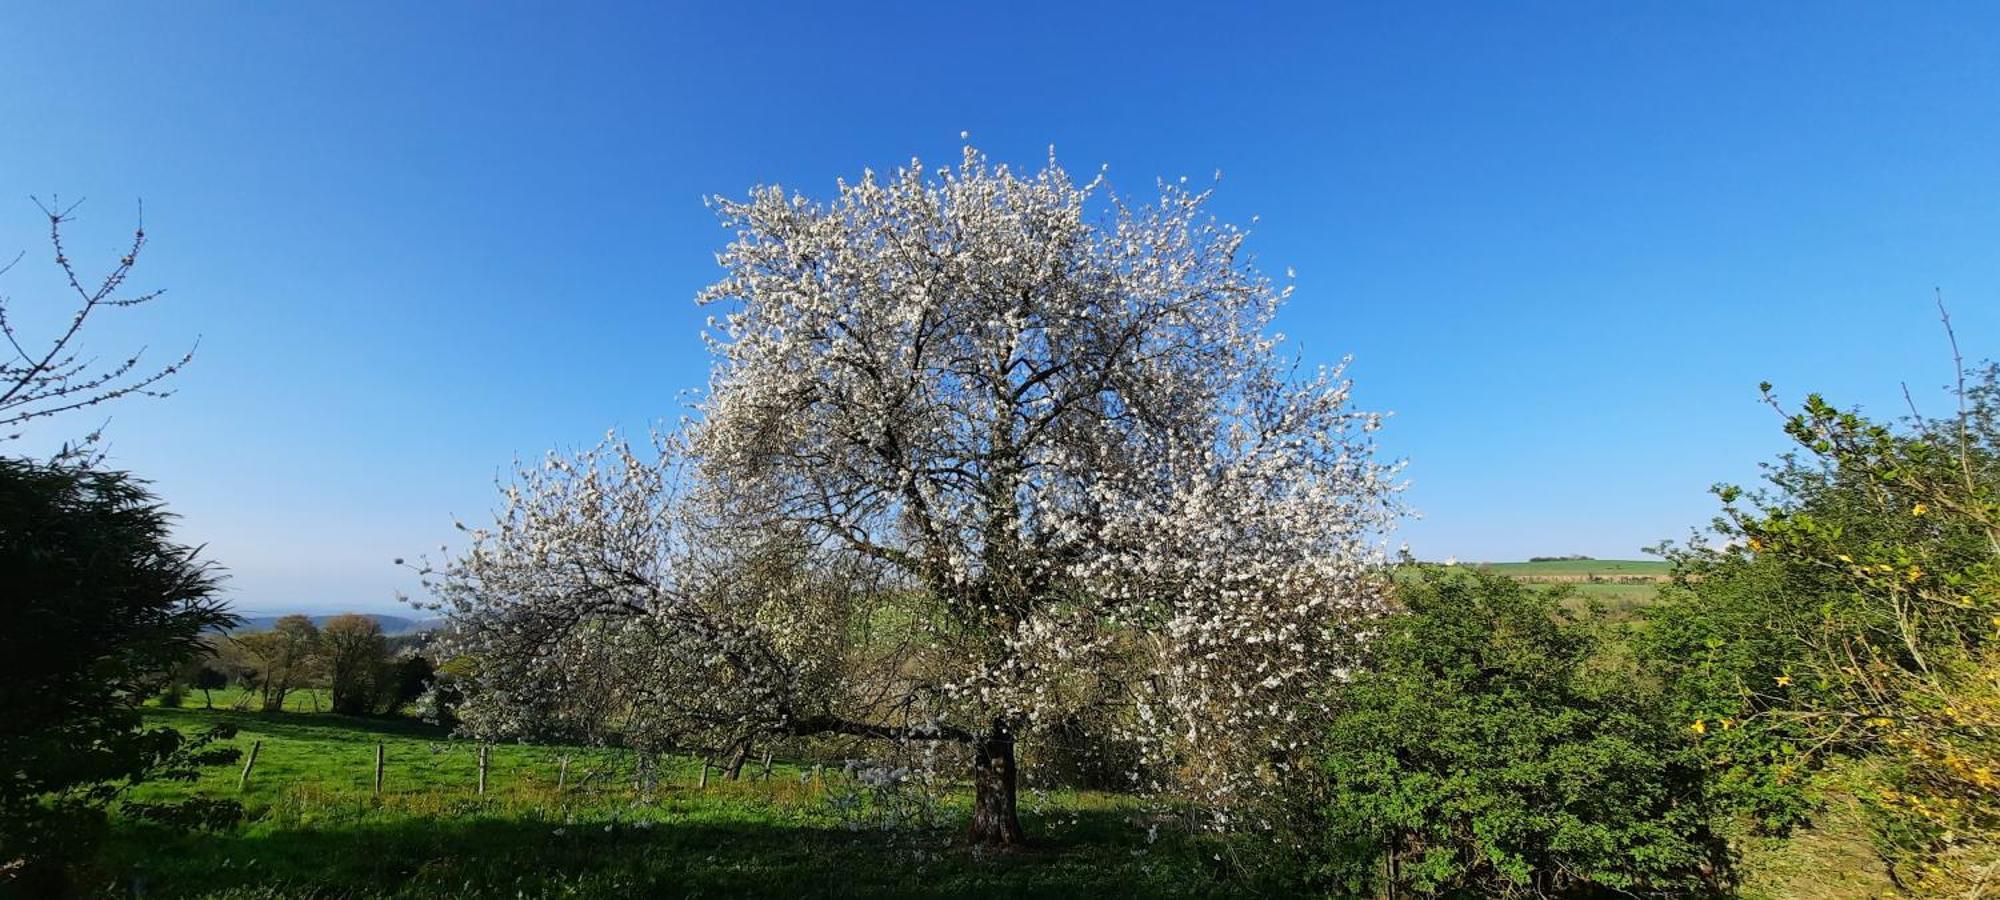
x,y
982,452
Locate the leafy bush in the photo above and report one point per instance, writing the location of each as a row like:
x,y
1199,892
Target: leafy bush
x,y
1724,634
1493,746
404,682
1852,618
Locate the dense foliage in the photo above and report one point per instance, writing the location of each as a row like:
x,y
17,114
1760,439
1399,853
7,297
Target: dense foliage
x,y
1846,635
355,656
282,659
100,606
1493,745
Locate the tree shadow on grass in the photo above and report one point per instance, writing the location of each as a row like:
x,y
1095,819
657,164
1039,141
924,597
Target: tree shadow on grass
x,y
301,726
485,857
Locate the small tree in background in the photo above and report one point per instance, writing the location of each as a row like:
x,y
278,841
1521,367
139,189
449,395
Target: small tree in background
x,y
353,654
285,658
208,678
1488,747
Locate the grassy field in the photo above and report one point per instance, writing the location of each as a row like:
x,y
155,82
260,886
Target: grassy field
x,y
1580,568
314,829
304,700
1621,585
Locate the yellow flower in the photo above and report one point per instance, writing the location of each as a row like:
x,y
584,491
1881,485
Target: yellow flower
x,y
1784,681
1845,558
1918,509
1699,727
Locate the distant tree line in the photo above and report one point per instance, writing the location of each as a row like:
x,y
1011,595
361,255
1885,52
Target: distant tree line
x,y
363,671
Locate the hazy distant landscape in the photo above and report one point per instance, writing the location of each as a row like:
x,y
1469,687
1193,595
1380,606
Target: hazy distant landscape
x,y
392,626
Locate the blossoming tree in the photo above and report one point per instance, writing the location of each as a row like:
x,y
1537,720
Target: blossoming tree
x,y
983,453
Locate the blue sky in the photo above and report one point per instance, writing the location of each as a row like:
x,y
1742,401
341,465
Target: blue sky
x,y
1563,241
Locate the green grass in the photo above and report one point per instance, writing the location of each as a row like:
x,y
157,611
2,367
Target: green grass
x,y
314,829
1619,600
1607,568
304,700
1620,585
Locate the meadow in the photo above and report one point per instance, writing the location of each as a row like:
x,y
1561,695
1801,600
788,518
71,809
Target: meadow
x,y
1557,570
1621,585
572,821
314,828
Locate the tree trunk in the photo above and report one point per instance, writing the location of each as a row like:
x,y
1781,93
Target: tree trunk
x,y
994,821
735,770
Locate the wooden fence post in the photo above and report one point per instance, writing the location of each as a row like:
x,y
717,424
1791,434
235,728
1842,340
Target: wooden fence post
x,y
706,761
244,779
378,769
482,768
562,774
767,764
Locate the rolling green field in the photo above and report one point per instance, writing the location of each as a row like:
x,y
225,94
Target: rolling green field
x,y
1621,585
314,829
1580,568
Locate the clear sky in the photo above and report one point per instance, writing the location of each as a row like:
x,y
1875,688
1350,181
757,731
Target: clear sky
x,y
1562,241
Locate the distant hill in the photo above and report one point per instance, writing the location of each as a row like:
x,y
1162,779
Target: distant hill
x,y
391,625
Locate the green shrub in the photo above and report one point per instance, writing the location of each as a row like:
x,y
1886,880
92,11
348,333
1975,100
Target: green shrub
x,y
1851,624
1493,746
